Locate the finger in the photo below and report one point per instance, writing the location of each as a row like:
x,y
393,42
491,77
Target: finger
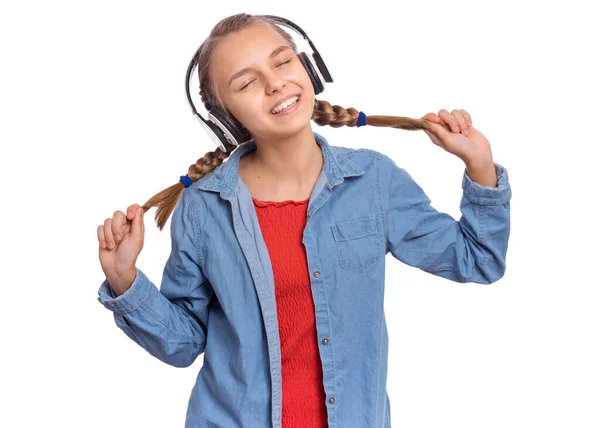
x,y
110,240
462,123
468,116
433,117
131,209
450,120
137,227
438,133
101,239
117,225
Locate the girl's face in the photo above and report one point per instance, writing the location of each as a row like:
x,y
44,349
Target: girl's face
x,y
253,71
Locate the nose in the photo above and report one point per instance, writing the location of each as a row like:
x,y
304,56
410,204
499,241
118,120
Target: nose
x,y
273,82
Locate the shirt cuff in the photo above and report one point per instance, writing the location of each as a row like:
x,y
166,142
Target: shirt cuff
x,y
128,301
488,195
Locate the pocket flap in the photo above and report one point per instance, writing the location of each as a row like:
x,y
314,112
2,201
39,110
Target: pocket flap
x,y
354,229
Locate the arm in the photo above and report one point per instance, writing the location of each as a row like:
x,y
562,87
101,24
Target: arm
x,y
472,249
171,323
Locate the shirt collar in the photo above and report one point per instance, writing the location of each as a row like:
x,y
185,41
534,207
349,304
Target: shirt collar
x,y
224,179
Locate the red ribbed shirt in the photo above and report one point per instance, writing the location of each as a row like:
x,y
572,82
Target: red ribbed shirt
x,y
303,396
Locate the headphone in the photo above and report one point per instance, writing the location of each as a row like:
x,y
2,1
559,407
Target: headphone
x,y
223,127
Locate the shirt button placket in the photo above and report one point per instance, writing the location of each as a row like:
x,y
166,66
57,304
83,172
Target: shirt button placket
x,y
325,341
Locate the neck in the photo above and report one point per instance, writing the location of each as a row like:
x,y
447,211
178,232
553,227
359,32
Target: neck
x,y
292,160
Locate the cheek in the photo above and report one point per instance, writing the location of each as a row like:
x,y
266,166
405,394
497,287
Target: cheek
x,y
298,76
301,76
247,109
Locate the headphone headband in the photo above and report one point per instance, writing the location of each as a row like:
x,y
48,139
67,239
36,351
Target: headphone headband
x,y
221,126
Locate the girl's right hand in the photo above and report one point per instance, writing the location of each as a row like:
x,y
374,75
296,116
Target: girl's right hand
x,y
121,239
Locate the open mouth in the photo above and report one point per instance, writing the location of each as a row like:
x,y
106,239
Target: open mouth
x,y
287,107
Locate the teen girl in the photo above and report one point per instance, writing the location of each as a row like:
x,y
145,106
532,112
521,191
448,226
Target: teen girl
x,y
277,266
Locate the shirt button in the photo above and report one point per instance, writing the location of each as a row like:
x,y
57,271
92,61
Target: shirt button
x,y
332,400
317,274
325,341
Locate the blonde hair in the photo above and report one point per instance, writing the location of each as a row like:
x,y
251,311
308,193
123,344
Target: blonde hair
x,y
323,114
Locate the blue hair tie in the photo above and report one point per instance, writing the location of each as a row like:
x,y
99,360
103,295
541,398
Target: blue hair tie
x,y
362,119
186,180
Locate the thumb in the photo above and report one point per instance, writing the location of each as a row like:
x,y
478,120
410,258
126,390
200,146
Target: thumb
x,y
440,133
137,225
440,129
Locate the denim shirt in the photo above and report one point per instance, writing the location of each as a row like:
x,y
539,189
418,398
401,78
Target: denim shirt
x,y
217,291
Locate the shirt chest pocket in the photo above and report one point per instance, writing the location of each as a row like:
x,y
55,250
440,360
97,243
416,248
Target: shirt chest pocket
x,y
357,243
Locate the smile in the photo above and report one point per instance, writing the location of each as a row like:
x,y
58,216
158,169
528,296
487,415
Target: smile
x,y
287,107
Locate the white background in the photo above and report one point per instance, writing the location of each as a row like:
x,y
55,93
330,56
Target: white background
x,y
94,118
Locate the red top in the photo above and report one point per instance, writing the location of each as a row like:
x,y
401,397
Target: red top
x,y
303,396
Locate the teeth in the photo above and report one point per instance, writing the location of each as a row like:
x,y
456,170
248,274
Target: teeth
x,y
284,105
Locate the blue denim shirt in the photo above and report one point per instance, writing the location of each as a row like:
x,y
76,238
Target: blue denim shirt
x,y
217,291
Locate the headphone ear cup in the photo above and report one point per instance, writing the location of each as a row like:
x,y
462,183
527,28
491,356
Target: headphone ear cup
x,y
230,126
312,74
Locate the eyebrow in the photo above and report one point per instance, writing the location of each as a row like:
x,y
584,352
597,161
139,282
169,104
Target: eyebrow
x,y
247,69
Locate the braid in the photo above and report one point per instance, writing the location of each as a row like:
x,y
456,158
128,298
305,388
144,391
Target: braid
x,y
336,116
166,200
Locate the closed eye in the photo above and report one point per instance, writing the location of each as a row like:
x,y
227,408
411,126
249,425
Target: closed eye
x,y
246,85
243,87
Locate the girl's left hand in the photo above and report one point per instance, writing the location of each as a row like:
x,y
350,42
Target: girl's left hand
x,y
454,133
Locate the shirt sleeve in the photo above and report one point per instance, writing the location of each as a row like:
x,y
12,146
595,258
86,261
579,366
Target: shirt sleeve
x,y
171,323
472,249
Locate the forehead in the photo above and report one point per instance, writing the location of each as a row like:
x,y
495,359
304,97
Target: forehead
x,y
245,48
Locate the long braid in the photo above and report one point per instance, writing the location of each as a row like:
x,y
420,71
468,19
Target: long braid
x,y
337,116
166,199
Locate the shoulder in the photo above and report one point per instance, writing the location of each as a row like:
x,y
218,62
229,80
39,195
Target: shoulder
x,y
376,162
364,158
342,151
